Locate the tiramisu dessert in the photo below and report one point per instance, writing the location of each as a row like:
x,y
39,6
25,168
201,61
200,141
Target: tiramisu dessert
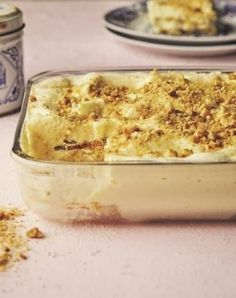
x,y
180,17
131,116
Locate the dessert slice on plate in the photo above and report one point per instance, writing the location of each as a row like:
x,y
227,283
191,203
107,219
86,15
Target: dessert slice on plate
x,y
181,17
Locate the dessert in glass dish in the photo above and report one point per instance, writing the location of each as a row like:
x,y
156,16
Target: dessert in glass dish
x,y
129,145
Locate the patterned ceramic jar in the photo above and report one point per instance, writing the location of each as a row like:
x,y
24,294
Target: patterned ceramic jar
x,y
11,58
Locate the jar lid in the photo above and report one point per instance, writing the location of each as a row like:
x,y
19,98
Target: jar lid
x,y
11,19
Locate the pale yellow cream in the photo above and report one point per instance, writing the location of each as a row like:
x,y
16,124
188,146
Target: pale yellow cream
x,y
159,116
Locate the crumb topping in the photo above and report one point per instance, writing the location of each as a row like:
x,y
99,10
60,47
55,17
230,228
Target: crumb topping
x,y
168,114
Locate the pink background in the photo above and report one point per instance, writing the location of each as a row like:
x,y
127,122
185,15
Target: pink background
x,y
157,260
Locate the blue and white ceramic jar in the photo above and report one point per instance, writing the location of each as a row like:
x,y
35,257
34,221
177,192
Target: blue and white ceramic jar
x,y
11,58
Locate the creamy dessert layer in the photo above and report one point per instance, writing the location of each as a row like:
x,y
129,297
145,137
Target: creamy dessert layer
x,y
163,116
177,17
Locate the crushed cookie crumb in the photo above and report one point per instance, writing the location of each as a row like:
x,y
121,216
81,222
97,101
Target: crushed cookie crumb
x,y
33,98
23,256
172,153
12,242
4,258
78,146
35,233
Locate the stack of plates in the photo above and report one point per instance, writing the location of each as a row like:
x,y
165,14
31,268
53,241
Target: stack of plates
x,y
131,25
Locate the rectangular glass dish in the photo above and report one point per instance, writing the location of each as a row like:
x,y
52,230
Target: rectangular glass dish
x,y
125,190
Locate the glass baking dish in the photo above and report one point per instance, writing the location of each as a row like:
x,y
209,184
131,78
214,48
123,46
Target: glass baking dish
x,y
124,191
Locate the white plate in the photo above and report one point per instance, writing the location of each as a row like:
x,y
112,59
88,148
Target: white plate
x,y
133,21
179,50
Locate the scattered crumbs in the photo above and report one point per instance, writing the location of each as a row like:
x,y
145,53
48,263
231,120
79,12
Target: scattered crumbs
x,y
95,252
52,254
13,241
23,256
35,233
48,193
13,245
163,178
199,180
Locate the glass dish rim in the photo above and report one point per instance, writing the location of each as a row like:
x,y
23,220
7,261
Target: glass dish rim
x,y
16,151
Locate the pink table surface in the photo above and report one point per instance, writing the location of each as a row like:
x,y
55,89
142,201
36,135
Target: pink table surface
x,y
157,260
